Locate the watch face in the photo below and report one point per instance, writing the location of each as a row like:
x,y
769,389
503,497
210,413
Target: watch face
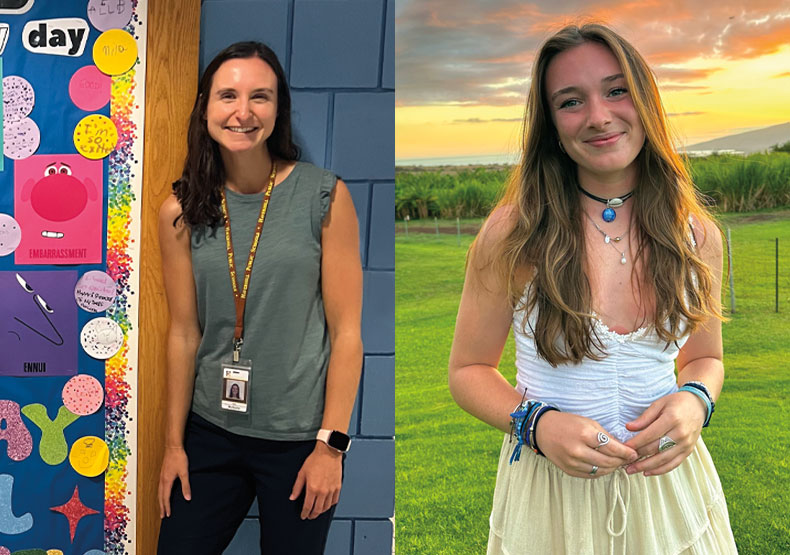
x,y
101,338
339,441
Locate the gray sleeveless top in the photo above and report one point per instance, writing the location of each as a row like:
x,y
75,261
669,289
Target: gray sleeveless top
x,y
285,332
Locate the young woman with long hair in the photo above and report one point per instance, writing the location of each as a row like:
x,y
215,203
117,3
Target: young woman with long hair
x,y
247,217
605,263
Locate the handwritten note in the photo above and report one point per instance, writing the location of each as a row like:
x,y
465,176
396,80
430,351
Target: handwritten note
x,y
115,52
83,395
109,14
89,89
18,98
10,235
95,136
20,138
95,291
89,456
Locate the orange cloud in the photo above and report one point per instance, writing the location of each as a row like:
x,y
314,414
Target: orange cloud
x,y
454,52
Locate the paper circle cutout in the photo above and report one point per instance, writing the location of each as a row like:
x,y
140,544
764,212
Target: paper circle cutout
x,y
95,291
54,552
89,456
20,138
109,15
83,395
94,552
89,88
18,98
101,338
10,234
115,52
95,136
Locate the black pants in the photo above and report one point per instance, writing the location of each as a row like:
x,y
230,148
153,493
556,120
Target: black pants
x,y
226,473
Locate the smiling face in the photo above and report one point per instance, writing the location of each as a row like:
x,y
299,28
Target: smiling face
x,y
593,113
242,106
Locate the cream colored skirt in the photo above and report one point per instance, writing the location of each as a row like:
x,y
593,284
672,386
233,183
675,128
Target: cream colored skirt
x,y
540,509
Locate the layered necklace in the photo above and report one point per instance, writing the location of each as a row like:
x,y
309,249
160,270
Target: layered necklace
x,y
608,213
609,240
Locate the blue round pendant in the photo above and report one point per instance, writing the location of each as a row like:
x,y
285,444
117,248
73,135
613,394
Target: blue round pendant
x,y
608,215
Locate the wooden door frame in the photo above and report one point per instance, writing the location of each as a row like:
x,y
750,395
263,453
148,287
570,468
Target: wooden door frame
x,y
172,52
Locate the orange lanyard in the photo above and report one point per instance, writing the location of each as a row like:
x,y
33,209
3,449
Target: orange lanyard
x,y
240,297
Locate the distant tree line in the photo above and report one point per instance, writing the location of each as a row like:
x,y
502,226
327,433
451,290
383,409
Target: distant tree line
x,y
731,182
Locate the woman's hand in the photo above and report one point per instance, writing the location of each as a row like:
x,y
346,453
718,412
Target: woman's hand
x,y
321,476
174,465
570,441
678,416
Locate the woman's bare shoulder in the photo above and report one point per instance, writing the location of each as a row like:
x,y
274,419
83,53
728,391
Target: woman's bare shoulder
x,y
170,207
499,224
168,212
707,235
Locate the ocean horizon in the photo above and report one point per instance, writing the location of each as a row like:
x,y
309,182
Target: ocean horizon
x,y
468,160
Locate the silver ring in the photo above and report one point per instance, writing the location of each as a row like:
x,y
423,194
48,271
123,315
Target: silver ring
x,y
665,443
594,470
603,439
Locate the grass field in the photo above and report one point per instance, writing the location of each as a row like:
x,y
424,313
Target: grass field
x,y
446,459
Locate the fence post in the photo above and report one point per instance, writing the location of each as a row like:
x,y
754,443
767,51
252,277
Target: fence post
x,y
777,275
729,264
436,224
406,222
458,229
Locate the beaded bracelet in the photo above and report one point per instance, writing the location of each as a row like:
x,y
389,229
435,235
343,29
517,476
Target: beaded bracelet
x,y
699,389
524,423
518,425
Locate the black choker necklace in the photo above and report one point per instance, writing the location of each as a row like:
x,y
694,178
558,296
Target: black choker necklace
x,y
609,214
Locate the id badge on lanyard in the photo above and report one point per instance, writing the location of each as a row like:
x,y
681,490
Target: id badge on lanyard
x,y
236,373
236,378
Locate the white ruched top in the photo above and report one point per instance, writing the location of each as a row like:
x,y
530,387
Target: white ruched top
x,y
638,369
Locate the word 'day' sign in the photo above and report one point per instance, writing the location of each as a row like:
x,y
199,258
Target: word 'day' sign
x,y
64,37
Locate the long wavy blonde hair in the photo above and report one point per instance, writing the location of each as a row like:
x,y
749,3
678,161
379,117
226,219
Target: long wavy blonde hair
x,y
547,237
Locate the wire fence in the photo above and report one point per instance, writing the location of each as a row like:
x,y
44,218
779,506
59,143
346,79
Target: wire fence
x,y
756,266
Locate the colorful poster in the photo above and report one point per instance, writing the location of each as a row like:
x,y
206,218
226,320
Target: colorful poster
x,y
58,200
38,323
70,193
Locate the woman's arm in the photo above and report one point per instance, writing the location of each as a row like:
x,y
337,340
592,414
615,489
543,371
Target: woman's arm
x,y
681,415
700,359
183,339
481,330
341,288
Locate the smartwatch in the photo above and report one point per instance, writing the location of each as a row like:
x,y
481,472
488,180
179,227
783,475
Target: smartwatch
x,y
336,440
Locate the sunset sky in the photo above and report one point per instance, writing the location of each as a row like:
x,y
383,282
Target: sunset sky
x,y
462,66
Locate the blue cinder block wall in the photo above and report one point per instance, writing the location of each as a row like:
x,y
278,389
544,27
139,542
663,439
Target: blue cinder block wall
x,y
339,56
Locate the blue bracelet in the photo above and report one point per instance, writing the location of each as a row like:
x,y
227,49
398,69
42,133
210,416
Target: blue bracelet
x,y
517,426
522,418
709,405
533,425
704,389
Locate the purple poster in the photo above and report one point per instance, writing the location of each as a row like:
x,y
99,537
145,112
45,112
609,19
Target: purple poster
x,y
38,323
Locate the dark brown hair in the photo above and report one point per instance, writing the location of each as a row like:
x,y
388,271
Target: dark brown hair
x,y
198,189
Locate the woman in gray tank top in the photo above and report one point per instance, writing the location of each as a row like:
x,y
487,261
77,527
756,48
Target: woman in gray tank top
x,y
264,285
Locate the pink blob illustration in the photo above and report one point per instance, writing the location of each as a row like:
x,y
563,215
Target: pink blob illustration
x,y
59,197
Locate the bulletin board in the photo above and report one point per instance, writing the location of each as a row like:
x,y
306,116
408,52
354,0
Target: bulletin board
x,y
73,74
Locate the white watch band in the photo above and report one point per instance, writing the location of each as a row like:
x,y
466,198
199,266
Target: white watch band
x,y
323,435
